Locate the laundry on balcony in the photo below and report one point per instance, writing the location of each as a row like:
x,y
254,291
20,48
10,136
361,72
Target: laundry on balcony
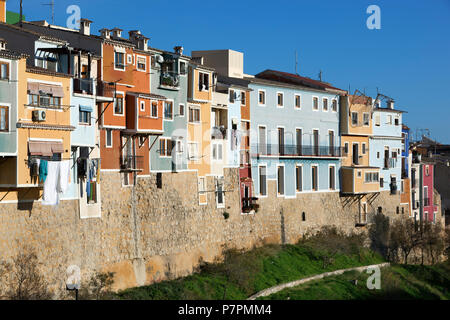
x,y
56,182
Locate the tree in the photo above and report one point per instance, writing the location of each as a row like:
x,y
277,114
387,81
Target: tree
x,y
403,236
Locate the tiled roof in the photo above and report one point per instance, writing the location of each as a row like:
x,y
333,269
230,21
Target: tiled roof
x,y
232,81
34,33
39,70
295,79
8,54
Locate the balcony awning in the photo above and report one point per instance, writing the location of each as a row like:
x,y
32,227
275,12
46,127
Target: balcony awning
x,y
44,148
86,108
36,88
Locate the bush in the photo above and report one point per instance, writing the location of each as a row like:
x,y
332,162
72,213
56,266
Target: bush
x,y
98,287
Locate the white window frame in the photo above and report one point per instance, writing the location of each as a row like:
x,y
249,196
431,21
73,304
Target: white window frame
x,y
337,106
199,114
106,138
279,165
137,63
197,157
368,124
259,181
201,75
142,103
282,99
119,94
151,109
124,60
318,106
377,119
179,109
351,118
335,177
323,104
312,177
216,145
265,97
295,101
299,165
164,110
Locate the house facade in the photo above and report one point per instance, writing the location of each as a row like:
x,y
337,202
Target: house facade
x,y
295,138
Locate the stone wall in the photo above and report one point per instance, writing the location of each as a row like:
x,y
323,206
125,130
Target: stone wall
x,y
148,234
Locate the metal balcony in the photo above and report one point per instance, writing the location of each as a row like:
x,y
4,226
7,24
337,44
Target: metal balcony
x,y
170,80
85,86
297,150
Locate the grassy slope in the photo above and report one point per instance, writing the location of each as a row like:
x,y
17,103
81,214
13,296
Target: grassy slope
x,y
248,273
397,282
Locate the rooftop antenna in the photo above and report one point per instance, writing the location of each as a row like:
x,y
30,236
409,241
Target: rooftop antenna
x,y
296,62
320,76
52,4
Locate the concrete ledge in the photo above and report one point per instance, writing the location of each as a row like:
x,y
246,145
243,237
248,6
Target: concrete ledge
x,y
272,290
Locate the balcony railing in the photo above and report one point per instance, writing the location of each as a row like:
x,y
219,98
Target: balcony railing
x,y
105,89
390,163
170,79
297,150
83,86
218,132
132,162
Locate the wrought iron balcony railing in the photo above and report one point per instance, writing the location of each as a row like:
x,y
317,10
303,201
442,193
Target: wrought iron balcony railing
x,y
105,89
297,150
83,86
132,162
170,79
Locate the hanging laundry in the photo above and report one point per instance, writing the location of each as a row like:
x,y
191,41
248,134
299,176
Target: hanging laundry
x,y
43,170
64,174
51,196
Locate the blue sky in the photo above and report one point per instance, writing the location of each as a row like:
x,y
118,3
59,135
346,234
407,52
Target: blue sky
x,y
407,59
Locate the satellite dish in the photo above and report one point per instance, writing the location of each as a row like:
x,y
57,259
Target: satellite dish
x,y
159,59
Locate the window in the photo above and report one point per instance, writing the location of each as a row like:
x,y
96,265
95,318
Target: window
x,y
299,178
298,101
370,177
232,96
143,106
325,104
118,108
181,112
334,105
279,99
193,151
243,98
109,141
346,148
201,185
354,118
194,114
165,147
396,121
168,110
263,181
4,71
217,151
154,113
389,119
220,193
377,120
141,63
261,97
182,67
280,180
4,118
129,59
119,60
44,100
363,148
314,176
427,170
332,177
366,118
315,103
203,83
85,117
378,155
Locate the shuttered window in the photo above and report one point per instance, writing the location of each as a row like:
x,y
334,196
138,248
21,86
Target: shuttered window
x,y
262,181
280,178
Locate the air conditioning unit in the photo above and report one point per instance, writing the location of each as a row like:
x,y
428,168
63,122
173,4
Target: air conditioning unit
x,y
39,115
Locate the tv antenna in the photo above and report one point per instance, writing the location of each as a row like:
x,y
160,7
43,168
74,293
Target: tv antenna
x,y
52,4
320,75
296,62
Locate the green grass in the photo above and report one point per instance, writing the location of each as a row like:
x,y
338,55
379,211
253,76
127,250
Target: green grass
x,y
244,274
397,282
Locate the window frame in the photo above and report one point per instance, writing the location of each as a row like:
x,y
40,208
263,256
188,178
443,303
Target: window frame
x,y
264,97
119,96
137,63
298,166
108,131
142,103
193,121
6,112
351,118
334,102
323,104
259,181
117,66
332,188
314,98
280,94
215,145
181,114
197,157
152,104
7,64
166,102
299,96
88,117
368,119
281,165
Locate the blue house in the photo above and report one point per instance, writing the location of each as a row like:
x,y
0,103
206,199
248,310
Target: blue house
x,y
295,137
385,145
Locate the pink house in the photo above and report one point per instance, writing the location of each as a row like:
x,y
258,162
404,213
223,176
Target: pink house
x,y
429,208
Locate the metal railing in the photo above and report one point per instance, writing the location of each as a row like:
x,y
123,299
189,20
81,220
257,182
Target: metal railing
x,y
105,89
170,79
132,162
83,86
297,150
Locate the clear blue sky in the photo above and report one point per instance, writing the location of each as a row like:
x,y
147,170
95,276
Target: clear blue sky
x,y
408,59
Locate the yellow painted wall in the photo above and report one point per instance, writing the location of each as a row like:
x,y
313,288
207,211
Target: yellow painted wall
x,y
361,186
347,160
202,95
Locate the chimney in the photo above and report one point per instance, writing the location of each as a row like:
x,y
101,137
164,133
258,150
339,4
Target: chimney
x,y
105,33
178,50
3,11
85,27
390,104
138,39
117,33
2,44
134,34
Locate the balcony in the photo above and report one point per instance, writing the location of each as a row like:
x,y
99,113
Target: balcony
x,y
132,163
219,133
170,80
360,180
390,163
105,89
297,150
85,86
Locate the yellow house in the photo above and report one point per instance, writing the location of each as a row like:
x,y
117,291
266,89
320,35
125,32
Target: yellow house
x,y
357,176
43,127
199,124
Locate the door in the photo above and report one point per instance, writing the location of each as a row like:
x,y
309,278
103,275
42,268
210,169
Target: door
x,y
331,142
316,142
355,153
298,135
281,141
314,178
262,146
386,157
